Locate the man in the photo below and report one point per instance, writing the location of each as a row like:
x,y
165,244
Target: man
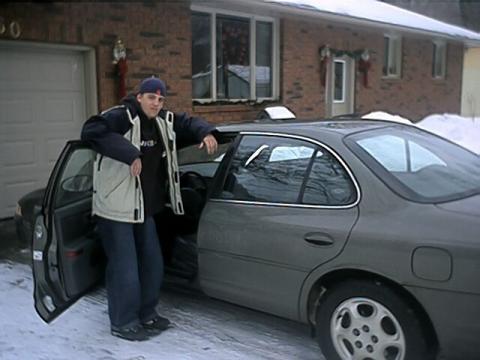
x,y
135,171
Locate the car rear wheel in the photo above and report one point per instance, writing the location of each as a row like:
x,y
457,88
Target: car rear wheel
x,y
366,320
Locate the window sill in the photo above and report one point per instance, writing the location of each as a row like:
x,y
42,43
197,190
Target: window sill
x,y
213,107
392,77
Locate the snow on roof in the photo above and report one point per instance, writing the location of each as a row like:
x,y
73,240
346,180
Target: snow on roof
x,y
379,13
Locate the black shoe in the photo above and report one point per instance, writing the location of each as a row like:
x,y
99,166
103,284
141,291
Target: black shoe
x,y
134,333
156,325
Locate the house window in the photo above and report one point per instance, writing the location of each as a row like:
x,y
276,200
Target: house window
x,y
241,48
439,59
339,81
392,60
264,59
201,47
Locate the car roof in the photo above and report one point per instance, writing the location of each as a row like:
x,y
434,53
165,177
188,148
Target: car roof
x,y
308,127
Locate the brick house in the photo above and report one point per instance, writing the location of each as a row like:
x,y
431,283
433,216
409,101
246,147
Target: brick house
x,y
56,67
464,13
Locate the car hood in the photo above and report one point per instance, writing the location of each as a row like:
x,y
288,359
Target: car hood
x,y
467,206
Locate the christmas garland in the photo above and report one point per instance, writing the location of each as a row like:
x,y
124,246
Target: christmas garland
x,y
361,56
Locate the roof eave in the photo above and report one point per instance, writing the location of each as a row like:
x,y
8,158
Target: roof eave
x,y
347,19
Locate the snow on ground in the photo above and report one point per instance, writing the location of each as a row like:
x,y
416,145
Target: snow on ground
x,y
461,130
204,329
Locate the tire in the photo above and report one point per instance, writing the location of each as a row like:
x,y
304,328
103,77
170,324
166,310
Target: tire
x,y
366,320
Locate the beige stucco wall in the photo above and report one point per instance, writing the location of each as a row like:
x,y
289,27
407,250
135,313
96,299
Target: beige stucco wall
x,y
471,83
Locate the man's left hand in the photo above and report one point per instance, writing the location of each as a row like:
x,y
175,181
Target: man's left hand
x,y
210,143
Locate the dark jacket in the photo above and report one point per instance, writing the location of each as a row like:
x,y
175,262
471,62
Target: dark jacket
x,y
115,134
105,132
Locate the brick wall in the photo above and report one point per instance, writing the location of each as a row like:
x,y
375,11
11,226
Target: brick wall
x,y
414,95
157,37
158,41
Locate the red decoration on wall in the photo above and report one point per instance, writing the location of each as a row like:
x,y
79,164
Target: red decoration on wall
x,y
324,59
120,60
122,69
364,67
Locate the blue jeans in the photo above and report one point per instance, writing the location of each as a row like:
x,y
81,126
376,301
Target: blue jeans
x,y
134,272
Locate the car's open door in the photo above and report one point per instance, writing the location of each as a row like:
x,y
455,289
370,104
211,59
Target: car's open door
x,y
67,255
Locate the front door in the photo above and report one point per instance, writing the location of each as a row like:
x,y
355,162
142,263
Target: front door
x,y
341,86
67,255
286,206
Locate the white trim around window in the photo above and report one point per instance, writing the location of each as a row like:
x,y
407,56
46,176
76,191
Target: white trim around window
x,y
275,54
439,59
392,60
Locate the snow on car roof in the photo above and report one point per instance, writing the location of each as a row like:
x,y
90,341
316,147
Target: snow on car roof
x,y
376,12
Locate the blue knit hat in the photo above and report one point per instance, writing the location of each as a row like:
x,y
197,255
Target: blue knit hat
x,y
153,85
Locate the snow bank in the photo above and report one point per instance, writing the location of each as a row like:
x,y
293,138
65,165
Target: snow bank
x,y
461,130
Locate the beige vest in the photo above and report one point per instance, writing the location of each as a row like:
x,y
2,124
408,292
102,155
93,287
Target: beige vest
x,y
117,194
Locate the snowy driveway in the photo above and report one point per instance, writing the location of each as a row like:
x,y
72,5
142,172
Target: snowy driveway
x,y
205,328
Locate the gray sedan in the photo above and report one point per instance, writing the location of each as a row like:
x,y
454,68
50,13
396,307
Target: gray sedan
x,y
366,230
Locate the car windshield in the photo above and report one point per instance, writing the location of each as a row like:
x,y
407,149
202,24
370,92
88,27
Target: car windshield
x,y
418,165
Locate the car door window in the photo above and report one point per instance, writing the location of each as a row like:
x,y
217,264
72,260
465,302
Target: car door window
x,y
76,180
192,159
328,182
268,169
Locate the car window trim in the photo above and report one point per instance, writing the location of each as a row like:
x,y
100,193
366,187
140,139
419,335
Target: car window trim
x,y
241,134
278,204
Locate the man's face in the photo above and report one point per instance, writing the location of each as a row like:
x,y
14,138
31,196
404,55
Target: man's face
x,y
150,103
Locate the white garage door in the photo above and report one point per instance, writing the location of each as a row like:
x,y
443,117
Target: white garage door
x,y
42,105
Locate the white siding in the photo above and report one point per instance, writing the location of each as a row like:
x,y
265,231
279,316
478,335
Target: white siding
x,y
42,105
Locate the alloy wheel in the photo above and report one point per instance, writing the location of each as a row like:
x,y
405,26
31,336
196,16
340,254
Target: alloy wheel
x,y
364,329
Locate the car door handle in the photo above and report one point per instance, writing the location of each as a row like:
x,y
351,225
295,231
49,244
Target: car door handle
x,y
318,238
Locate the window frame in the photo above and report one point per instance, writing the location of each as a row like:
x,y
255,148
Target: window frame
x,y
253,19
441,56
394,43
321,146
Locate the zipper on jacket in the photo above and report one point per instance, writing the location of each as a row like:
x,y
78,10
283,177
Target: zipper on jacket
x,y
99,163
135,212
